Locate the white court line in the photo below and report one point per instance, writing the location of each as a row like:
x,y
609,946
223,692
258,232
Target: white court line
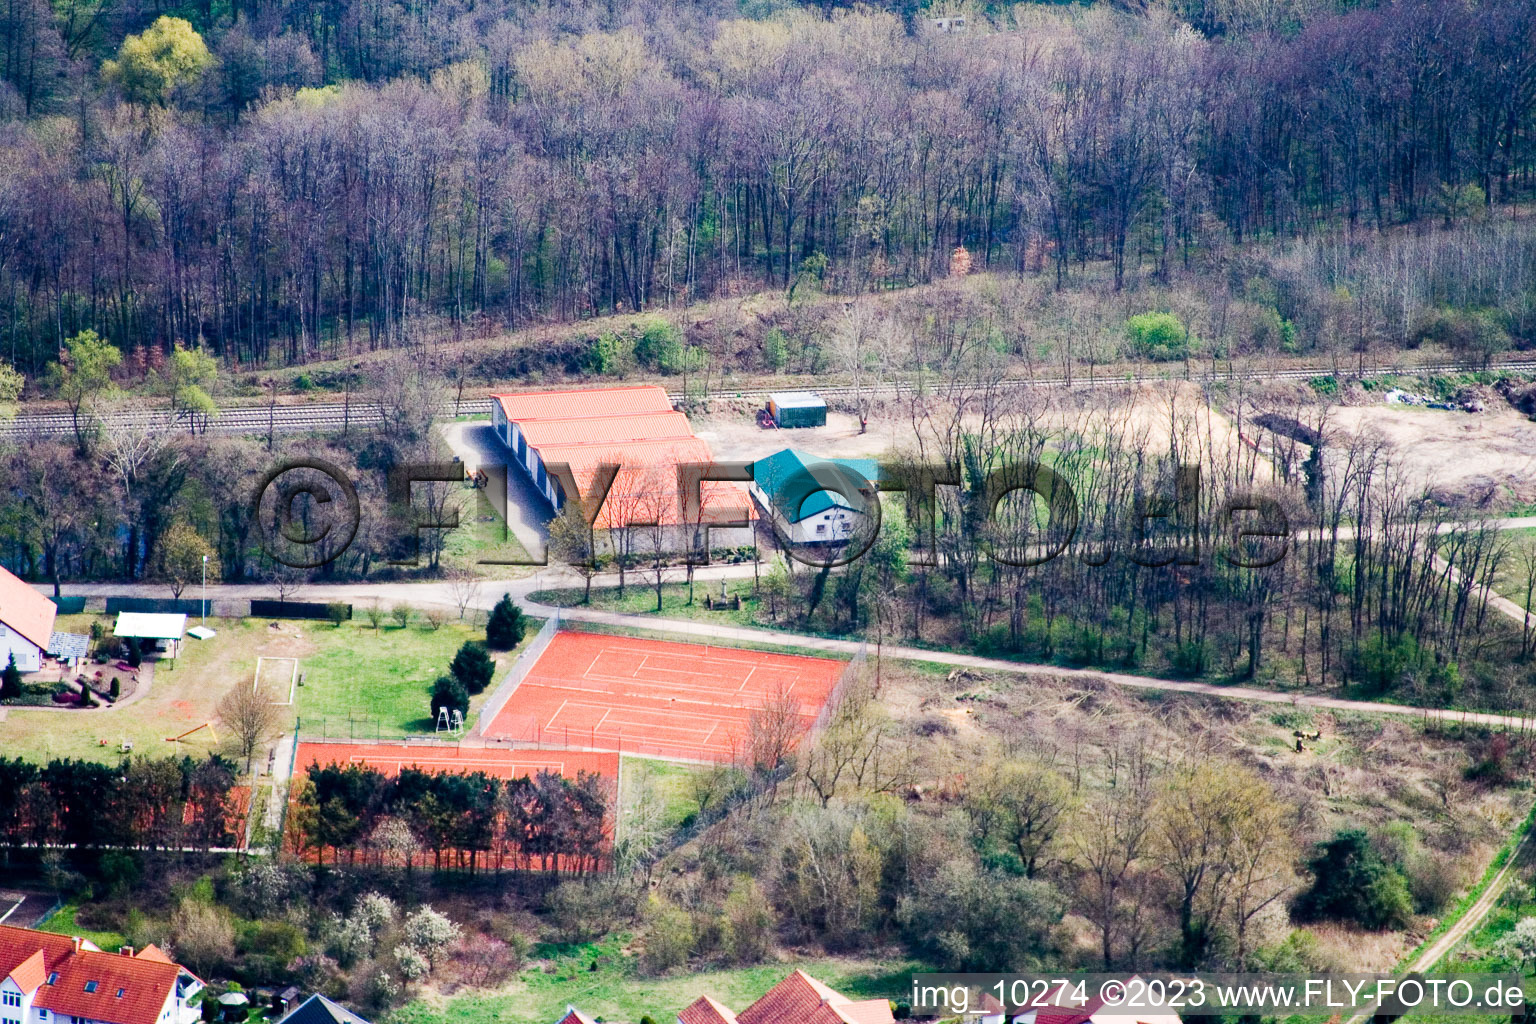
x,y
592,673
712,673
645,663
615,687
755,658
293,680
550,723
708,673
711,654
487,766
660,698
683,735
701,719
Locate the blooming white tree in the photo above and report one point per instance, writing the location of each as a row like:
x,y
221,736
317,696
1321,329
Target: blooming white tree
x,y
430,933
1519,944
413,966
376,911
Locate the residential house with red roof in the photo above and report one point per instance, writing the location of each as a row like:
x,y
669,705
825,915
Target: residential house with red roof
x,y
26,623
798,999
705,1010
56,979
1060,1006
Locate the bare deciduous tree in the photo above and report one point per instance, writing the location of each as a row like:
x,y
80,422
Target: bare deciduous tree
x,y
464,585
250,717
573,543
771,733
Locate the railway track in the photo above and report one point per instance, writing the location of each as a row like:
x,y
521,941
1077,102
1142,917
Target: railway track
x,y
1102,381
292,419
328,417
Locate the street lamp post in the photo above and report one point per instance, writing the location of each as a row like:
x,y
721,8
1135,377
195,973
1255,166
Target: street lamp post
x,y
205,590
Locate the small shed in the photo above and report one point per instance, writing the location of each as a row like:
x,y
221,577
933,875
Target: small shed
x,y
161,627
797,409
285,1001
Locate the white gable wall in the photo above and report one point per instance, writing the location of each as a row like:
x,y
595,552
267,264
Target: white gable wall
x,y
832,526
15,1005
29,657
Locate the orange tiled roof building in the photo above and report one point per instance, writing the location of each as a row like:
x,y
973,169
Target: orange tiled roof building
x,y
56,979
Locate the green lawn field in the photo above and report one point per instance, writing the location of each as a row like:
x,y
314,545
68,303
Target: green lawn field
x,y
1510,579
356,679
367,683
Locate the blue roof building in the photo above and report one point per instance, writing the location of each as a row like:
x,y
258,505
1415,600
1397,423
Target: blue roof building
x,y
784,484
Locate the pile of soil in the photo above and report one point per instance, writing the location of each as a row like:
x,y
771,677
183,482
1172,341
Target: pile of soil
x,y
1475,397
1520,394
1354,393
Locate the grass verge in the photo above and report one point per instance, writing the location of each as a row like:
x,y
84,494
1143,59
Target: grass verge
x,y
666,782
63,922
601,980
1449,920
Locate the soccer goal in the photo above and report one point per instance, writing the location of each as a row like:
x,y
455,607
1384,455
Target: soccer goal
x,y
279,676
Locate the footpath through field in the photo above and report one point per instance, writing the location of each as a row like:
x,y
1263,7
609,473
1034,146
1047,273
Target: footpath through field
x,y
1470,919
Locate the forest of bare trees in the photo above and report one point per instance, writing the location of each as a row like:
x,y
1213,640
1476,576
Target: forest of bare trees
x,y
1374,576
326,173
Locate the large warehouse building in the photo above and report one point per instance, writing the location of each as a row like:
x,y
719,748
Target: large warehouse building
x,y
634,428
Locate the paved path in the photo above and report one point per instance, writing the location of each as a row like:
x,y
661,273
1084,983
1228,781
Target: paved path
x,y
1436,951
555,578
144,679
478,447
282,768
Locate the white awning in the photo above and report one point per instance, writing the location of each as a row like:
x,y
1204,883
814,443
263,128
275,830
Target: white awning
x,y
150,625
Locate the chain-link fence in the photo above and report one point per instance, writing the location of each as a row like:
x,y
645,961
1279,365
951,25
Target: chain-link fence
x,y
518,672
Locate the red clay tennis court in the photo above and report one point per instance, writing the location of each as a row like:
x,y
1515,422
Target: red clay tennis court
x,y
672,700
390,758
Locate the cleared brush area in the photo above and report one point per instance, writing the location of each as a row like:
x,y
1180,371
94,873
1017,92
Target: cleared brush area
x,y
1441,799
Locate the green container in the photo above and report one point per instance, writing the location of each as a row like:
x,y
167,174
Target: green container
x,y
797,409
